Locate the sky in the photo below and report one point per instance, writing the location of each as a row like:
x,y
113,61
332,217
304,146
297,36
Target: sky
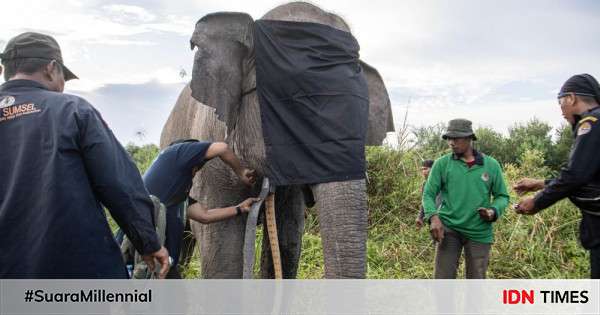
x,y
494,62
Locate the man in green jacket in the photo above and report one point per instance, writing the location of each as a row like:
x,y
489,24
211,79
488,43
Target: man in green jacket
x,y
473,197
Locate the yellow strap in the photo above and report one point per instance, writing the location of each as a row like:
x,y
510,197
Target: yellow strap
x,y
273,239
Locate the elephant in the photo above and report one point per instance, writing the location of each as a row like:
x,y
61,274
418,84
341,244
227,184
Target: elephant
x,y
221,104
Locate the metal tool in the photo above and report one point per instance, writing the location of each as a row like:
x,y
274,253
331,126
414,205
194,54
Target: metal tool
x,y
250,235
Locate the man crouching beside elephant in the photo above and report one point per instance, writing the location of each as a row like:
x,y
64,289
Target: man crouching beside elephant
x,y
170,178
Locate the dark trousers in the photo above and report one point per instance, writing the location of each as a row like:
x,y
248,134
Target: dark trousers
x,y
589,234
174,232
448,253
595,263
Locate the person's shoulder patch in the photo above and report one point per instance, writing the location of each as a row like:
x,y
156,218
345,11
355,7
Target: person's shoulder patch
x,y
590,119
584,128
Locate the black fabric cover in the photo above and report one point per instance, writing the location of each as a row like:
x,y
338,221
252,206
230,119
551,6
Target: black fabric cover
x,y
314,102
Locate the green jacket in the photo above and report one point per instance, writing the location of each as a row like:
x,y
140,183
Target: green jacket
x,y
464,190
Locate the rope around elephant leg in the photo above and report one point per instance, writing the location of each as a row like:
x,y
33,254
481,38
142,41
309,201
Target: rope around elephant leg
x,y
272,230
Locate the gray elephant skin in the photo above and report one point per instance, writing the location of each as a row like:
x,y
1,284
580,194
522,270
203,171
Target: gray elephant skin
x,y
221,104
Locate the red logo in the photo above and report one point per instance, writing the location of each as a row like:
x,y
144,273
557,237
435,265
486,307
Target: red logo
x,y
516,297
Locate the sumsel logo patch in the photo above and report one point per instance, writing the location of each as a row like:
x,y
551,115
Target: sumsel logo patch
x,y
7,101
16,111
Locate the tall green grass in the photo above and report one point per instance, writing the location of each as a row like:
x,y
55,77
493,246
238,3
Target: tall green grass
x,y
541,246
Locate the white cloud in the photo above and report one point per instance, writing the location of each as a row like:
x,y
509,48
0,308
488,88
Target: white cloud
x,y
121,42
447,58
181,25
170,75
128,14
500,116
163,75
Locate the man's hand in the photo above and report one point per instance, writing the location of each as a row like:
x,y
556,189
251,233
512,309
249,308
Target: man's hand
x,y
162,255
528,184
221,150
246,205
436,228
487,214
526,206
247,176
419,222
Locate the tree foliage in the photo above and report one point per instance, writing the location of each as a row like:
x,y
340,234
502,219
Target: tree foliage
x,y
534,135
142,155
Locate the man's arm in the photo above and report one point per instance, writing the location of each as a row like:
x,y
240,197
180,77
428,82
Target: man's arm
x,y
583,165
117,184
223,151
421,215
525,185
432,189
199,213
499,193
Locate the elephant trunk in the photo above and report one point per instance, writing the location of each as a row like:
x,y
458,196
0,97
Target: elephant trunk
x,y
343,223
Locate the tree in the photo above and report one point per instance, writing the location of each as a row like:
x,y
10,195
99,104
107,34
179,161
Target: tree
x,y
143,156
429,140
562,147
533,135
493,144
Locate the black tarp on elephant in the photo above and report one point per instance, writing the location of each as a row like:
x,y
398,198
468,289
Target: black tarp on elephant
x,y
314,102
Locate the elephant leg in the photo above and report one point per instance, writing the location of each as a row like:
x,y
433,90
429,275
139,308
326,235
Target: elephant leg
x,y
220,243
289,215
221,248
342,208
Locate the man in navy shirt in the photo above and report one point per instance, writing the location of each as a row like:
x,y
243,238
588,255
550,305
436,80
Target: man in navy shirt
x,y
170,178
59,163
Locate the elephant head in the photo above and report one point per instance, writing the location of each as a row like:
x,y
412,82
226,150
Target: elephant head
x,y
221,103
223,63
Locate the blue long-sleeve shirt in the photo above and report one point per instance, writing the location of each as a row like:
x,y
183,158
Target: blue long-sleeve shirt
x,y
59,162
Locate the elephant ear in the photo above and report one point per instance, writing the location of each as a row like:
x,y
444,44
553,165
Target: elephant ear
x,y
381,120
222,62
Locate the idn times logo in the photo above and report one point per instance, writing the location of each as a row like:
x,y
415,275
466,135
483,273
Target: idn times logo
x,y
513,296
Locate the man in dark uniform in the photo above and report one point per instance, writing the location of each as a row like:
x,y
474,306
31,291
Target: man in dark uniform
x,y
59,164
579,98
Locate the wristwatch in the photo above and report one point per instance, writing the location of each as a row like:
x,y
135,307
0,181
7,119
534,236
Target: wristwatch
x,y
238,210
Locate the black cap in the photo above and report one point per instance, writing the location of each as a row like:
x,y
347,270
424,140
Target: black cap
x,y
581,84
35,45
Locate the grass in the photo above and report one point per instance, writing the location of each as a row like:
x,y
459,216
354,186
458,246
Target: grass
x,y
541,246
